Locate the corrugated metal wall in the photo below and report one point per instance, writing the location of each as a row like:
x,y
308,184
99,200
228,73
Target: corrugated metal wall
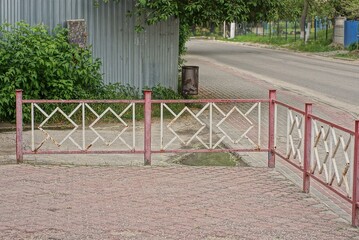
x,y
140,59
351,32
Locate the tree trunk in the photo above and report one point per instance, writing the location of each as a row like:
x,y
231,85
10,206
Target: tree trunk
x,y
303,18
333,25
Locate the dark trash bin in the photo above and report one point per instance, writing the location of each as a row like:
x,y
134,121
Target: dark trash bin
x,y
190,80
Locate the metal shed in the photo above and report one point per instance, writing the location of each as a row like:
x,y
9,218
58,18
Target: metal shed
x,y
140,59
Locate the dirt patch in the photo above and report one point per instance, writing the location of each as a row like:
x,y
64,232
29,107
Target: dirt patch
x,y
7,143
212,159
6,127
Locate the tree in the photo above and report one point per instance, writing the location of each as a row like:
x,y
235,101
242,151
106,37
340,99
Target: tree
x,y
290,10
304,18
352,8
193,12
200,11
323,8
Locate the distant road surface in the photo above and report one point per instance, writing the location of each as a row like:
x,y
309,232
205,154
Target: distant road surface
x,y
331,81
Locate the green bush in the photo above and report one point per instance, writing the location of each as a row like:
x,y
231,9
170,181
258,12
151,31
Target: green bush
x,y
353,47
44,65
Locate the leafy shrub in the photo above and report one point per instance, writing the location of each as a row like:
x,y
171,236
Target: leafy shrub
x,y
118,91
160,92
353,47
44,65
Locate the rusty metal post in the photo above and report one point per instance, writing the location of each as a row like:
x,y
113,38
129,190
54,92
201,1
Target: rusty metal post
x,y
271,121
355,203
307,147
19,152
148,112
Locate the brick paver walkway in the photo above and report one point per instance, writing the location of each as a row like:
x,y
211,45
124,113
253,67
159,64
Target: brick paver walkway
x,y
50,202
111,202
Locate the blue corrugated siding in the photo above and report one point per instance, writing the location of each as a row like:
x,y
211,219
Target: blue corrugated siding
x,y
140,59
351,32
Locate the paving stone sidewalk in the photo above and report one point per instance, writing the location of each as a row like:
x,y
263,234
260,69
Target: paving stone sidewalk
x,y
52,202
219,81
166,202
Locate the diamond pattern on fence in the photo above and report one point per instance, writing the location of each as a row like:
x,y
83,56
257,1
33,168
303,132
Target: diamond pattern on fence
x,y
176,117
333,148
244,116
118,117
82,146
212,144
47,134
294,136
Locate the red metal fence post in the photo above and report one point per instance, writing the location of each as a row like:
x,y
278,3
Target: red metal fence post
x,y
307,147
355,206
19,150
271,154
148,112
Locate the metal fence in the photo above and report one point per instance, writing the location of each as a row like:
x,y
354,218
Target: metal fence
x,y
320,29
319,149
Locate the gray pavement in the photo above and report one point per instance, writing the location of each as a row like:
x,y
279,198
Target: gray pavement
x,y
54,202
57,197
323,79
222,80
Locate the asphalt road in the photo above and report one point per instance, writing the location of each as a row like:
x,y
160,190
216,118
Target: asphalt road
x,y
331,81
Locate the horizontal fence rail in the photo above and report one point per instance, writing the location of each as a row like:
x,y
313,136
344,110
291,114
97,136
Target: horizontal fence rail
x,y
319,149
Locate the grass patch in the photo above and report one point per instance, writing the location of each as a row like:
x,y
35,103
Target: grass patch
x,y
312,46
322,44
353,55
212,159
278,41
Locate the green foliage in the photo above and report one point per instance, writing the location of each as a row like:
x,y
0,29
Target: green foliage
x,y
311,46
352,55
118,91
212,159
44,65
193,12
352,8
160,92
197,12
184,34
278,41
320,45
353,47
